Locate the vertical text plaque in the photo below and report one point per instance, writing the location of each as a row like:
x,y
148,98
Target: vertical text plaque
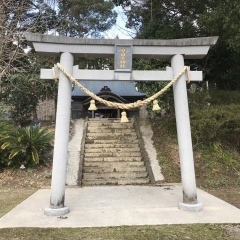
x,y
123,58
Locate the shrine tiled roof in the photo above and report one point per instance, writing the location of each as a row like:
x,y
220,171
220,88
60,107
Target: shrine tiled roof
x,y
120,88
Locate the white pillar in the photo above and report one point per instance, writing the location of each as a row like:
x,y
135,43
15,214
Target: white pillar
x,y
184,139
60,154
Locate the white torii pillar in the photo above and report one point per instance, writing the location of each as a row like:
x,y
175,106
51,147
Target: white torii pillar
x,y
60,154
184,139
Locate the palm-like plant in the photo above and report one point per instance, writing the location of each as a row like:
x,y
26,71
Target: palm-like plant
x,y
27,144
5,126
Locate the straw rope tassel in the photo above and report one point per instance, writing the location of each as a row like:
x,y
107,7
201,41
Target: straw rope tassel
x,y
55,77
156,106
188,75
92,105
124,117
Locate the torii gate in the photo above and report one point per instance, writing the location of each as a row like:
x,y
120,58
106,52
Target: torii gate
x,y
123,50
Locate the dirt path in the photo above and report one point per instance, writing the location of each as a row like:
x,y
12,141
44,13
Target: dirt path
x,y
229,194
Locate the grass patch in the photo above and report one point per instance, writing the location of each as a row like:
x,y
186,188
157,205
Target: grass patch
x,y
216,167
161,159
163,232
10,198
238,181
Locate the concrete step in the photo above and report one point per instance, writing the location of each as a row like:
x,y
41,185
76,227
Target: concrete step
x,y
113,154
104,120
113,134
111,141
109,125
111,150
112,121
111,137
112,164
113,169
115,175
115,181
113,159
116,145
110,130
119,138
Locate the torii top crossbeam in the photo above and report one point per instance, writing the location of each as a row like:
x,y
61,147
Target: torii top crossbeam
x,y
191,48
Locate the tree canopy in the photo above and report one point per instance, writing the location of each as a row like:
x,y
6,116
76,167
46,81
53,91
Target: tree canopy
x,y
20,66
165,19
64,17
85,18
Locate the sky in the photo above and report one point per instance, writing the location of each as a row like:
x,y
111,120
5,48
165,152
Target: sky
x,y
119,29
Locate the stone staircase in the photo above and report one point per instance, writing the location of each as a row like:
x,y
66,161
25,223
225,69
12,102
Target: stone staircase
x,y
112,155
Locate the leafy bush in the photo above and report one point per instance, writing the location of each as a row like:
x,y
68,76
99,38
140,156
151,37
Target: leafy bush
x,y
5,126
213,123
27,145
23,92
215,116
214,98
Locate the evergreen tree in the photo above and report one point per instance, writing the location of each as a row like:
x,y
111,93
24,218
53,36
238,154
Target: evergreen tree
x,y
20,86
165,19
85,18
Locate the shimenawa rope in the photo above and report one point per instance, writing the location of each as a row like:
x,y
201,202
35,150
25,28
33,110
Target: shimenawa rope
x,y
137,104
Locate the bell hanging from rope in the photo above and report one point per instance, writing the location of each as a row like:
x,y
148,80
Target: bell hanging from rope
x,y
92,105
156,106
124,117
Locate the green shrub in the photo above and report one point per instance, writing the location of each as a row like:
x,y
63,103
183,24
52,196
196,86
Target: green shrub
x,y
5,126
27,145
238,181
214,98
213,123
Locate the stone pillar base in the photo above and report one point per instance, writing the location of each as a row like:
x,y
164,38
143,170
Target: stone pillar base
x,y
190,207
56,211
